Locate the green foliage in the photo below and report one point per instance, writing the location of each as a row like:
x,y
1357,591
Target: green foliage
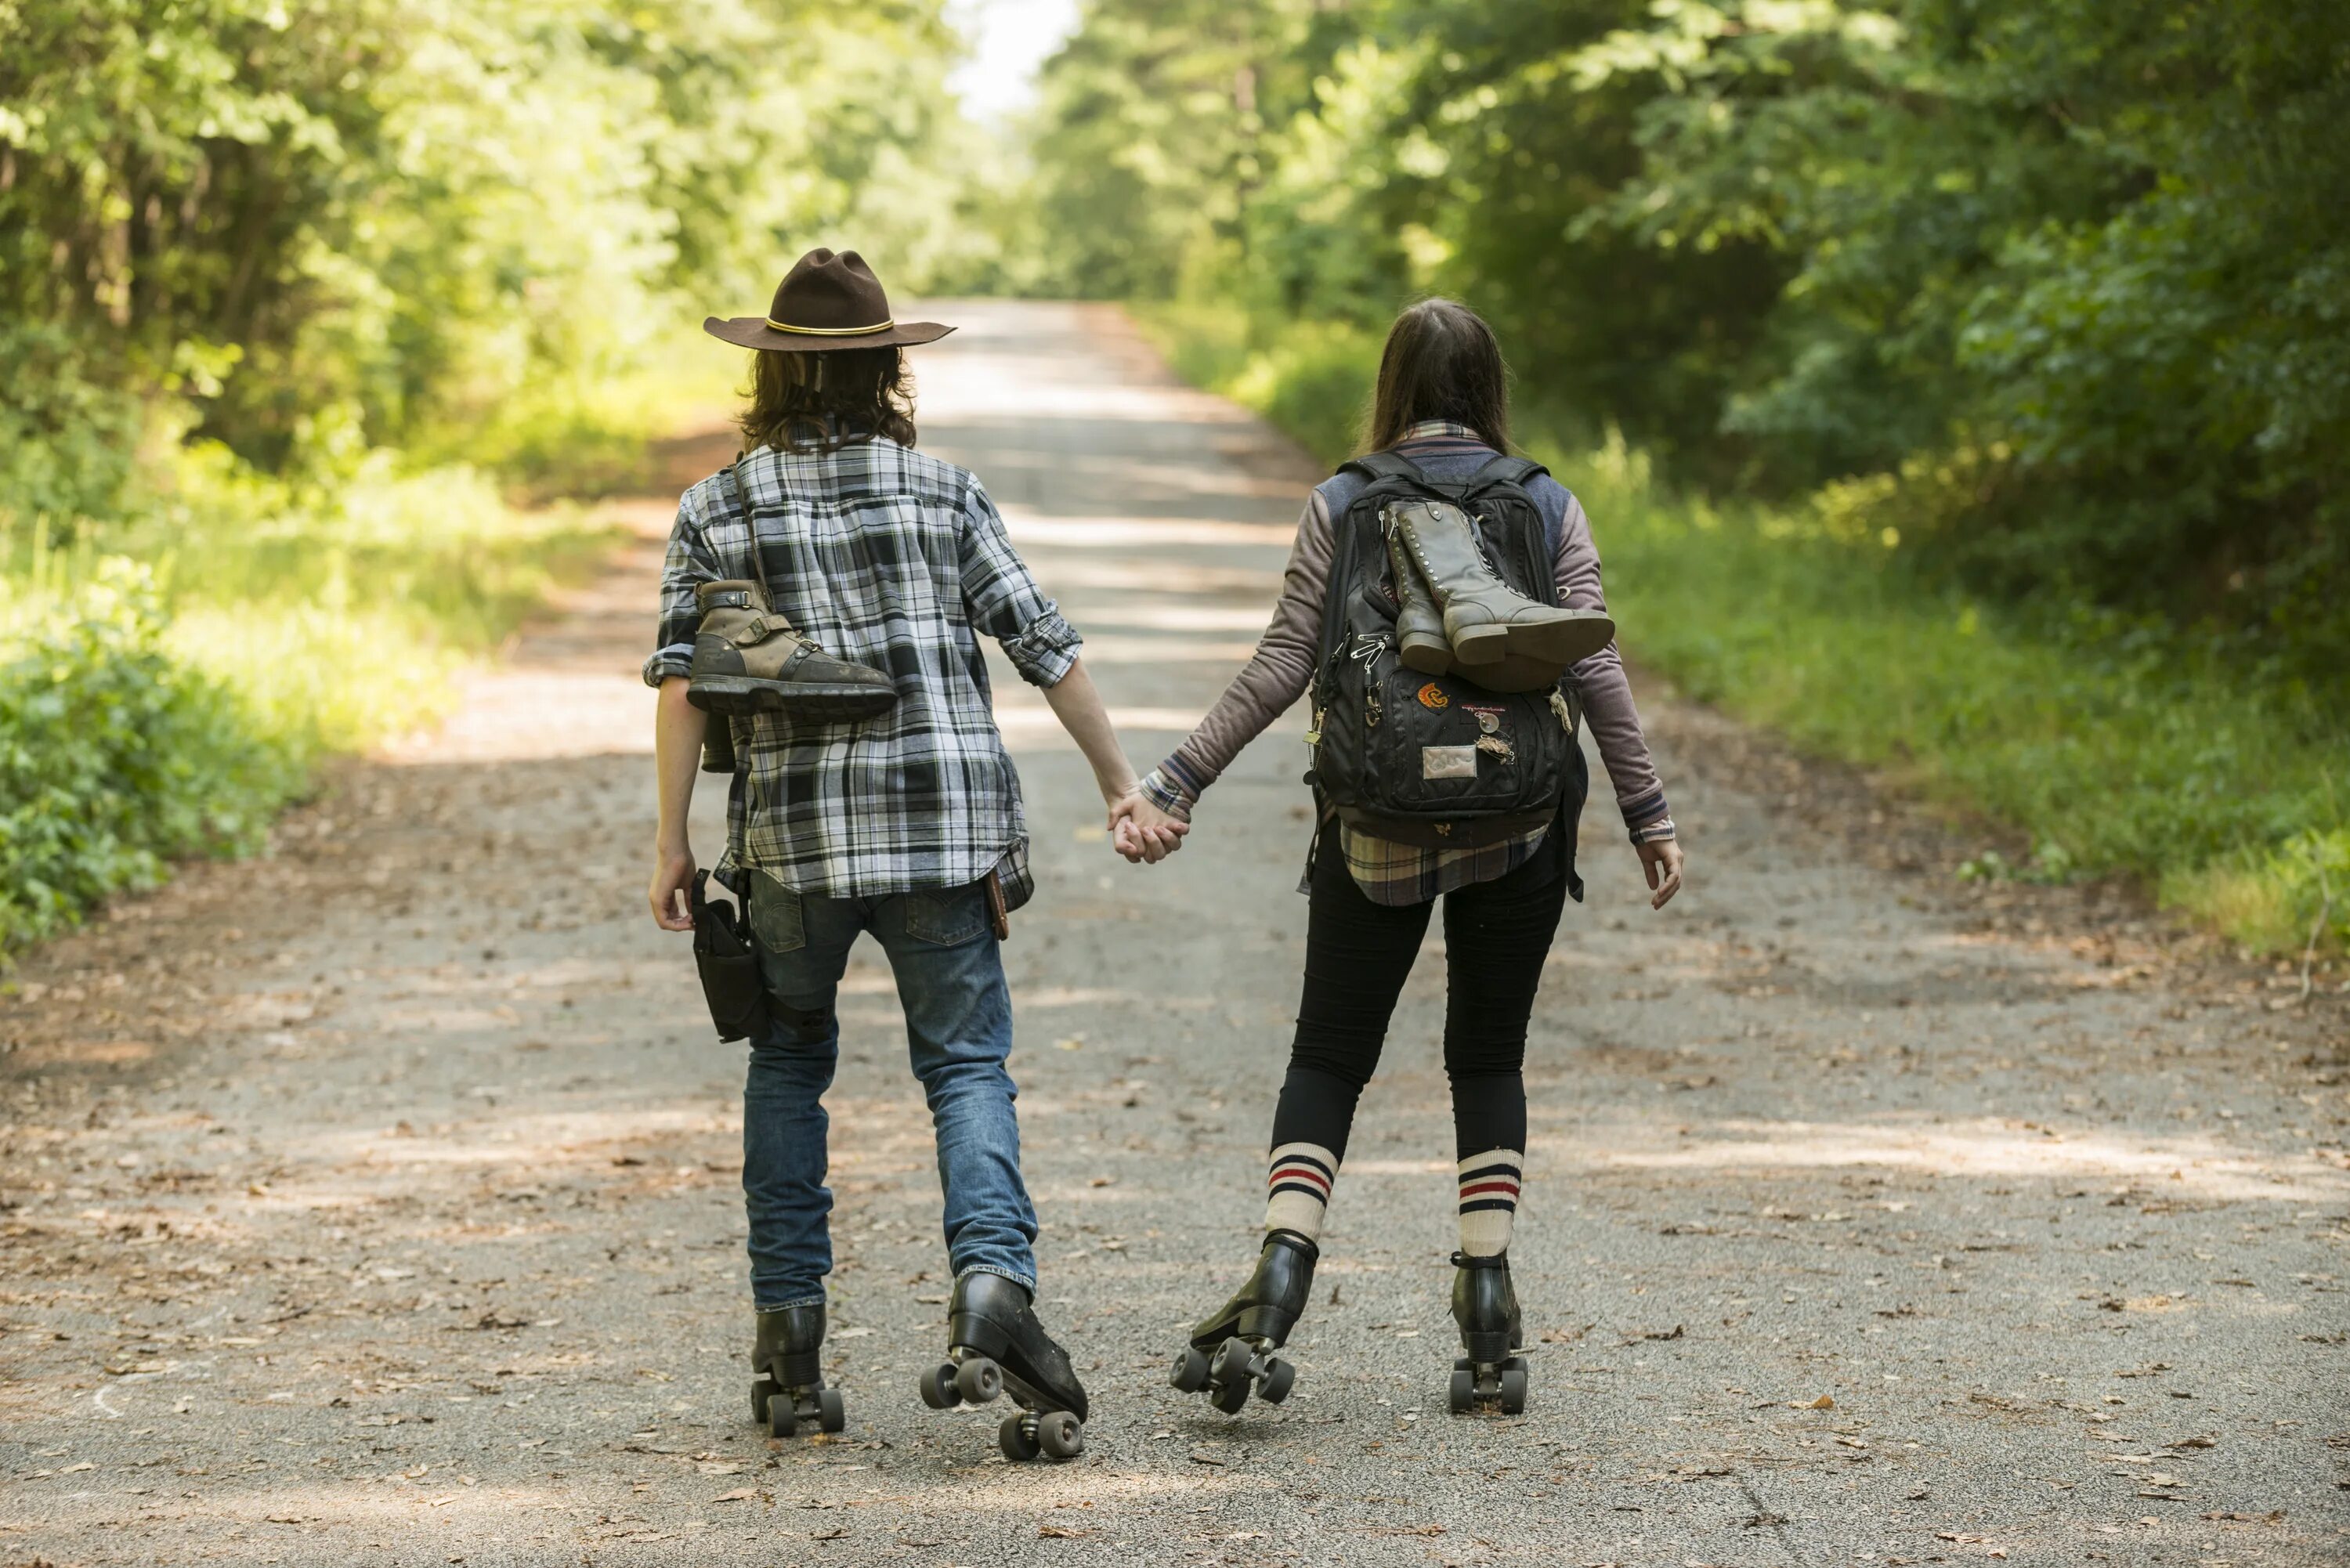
x,y
2119,743
166,707
114,757
331,225
1313,380
2072,276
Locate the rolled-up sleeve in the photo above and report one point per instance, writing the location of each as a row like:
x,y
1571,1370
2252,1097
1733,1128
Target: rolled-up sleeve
x,y
688,564
1003,601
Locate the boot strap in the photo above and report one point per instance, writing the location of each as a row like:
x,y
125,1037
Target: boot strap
x,y
1465,1260
760,627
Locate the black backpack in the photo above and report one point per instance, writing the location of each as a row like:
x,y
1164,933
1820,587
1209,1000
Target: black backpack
x,y
1436,761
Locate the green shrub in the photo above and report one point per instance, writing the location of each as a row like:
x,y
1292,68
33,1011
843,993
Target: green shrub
x,y
1313,380
114,757
167,706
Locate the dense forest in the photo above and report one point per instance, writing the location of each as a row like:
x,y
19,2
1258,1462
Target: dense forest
x,y
1959,385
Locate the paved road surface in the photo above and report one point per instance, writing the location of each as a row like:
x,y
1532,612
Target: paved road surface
x,y
376,1203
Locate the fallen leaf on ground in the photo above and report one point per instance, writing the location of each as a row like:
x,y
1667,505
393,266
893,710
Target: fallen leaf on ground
x,y
739,1494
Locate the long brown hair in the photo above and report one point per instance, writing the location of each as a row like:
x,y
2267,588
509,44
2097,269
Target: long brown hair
x,y
848,395
1441,362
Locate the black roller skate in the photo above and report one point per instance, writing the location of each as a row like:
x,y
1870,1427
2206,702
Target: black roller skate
x,y
1486,1308
1233,1350
995,1345
787,1389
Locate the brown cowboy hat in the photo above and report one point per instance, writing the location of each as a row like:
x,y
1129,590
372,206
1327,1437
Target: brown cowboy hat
x,y
826,301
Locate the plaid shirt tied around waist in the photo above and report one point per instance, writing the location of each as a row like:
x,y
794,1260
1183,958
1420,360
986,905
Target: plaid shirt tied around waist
x,y
894,559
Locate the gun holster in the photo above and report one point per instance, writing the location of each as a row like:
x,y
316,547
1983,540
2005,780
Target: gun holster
x,y
729,963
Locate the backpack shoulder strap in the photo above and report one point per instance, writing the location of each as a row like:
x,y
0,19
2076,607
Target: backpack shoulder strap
x,y
1501,469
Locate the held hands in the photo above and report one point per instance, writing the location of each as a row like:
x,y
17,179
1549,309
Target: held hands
x,y
1141,832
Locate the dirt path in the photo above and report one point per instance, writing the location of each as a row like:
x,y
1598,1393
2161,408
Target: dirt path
x,y
375,1202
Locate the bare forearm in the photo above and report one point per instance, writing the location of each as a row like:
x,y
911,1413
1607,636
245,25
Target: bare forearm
x,y
1078,704
678,729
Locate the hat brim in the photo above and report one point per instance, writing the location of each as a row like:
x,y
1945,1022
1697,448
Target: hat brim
x,y
752,332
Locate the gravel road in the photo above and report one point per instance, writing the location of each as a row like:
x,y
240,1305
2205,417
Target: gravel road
x,y
376,1201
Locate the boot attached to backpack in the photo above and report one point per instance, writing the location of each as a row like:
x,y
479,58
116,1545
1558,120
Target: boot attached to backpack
x,y
1483,619
748,659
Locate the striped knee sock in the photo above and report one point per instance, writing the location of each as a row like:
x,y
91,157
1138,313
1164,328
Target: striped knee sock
x,y
1297,1187
1488,1200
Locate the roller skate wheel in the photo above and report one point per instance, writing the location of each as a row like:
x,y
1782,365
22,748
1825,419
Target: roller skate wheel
x,y
1191,1373
1018,1443
782,1422
831,1412
938,1386
1231,1366
1513,1390
762,1389
979,1380
1462,1394
1060,1435
1273,1386
1230,1397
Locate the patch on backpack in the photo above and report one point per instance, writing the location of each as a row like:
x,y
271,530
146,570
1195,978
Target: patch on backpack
x,y
1448,761
1432,697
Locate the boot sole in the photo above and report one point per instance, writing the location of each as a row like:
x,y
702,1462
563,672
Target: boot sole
x,y
809,699
1559,642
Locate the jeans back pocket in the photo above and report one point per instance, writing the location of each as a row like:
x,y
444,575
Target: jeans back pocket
x,y
946,916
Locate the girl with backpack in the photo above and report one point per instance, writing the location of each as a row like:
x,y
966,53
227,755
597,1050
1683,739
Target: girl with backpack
x,y
1442,603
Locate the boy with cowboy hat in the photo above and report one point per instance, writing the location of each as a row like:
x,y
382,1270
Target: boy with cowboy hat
x,y
823,596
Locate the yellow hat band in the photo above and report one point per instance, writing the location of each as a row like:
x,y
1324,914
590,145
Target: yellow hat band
x,y
830,331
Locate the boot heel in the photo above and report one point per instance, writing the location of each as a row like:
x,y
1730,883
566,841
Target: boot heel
x,y
1482,645
1427,655
982,1334
1486,1349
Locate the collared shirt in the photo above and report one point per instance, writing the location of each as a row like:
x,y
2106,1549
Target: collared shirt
x,y
891,558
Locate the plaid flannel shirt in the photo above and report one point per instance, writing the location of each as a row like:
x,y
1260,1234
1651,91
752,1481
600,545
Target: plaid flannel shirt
x,y
894,559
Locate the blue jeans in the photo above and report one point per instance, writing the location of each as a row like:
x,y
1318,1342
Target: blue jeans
x,y
950,973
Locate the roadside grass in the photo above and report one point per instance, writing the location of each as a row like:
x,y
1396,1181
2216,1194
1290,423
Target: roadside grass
x,y
2118,748
170,679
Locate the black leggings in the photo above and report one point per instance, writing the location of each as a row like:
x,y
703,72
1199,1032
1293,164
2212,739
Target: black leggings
x,y
1357,955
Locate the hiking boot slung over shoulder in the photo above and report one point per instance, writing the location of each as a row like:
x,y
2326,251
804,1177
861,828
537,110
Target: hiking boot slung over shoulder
x,y
748,659
1484,619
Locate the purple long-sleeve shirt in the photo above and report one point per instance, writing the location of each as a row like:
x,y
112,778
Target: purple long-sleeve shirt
x,y
1283,667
